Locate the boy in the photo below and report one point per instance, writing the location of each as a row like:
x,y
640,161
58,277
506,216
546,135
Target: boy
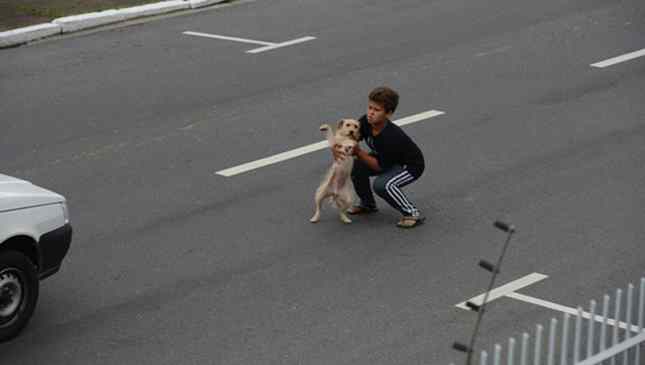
x,y
395,160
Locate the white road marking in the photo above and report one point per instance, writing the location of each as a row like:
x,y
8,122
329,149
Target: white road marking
x,y
279,45
236,39
565,309
312,148
504,290
509,291
619,59
418,117
268,46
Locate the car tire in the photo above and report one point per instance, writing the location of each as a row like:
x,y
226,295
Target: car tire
x,y
18,293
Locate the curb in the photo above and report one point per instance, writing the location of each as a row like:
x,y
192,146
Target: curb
x,y
75,23
23,35
80,22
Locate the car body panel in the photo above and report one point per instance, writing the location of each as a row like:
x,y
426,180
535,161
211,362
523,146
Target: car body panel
x,y
19,194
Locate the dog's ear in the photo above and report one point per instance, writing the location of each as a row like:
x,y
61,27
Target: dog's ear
x,y
340,124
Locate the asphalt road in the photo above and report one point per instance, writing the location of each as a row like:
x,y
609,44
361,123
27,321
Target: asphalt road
x,y
174,264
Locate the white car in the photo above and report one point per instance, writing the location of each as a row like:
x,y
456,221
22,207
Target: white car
x,y
35,234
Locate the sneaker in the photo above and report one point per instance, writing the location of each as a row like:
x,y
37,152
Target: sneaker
x,y
360,209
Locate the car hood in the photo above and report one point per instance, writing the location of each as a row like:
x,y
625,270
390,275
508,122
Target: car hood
x,y
16,194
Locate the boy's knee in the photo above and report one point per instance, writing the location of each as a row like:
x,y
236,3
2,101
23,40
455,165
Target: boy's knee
x,y
379,187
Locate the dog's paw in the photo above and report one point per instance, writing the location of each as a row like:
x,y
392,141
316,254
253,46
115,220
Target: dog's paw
x,y
345,219
315,218
324,127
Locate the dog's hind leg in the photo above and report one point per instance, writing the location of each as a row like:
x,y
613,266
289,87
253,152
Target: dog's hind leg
x,y
316,216
323,191
321,194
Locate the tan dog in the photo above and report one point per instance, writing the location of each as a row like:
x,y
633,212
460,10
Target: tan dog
x,y
337,184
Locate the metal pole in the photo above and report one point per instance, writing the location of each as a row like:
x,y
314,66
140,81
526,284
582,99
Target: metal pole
x,y
497,355
483,360
482,309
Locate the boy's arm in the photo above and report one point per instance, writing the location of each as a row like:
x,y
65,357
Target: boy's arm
x,y
364,156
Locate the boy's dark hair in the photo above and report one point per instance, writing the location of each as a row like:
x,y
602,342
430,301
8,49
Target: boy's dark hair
x,y
385,97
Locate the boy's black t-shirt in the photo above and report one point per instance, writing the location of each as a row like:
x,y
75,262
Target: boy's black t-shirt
x,y
393,147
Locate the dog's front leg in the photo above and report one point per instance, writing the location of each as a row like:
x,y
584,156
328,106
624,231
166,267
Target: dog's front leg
x,y
329,134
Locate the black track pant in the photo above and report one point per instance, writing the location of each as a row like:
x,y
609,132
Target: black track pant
x,y
387,185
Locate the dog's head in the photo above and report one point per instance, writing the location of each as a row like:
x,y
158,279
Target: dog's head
x,y
349,128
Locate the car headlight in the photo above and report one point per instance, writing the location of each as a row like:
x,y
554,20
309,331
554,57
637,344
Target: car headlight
x,y
65,212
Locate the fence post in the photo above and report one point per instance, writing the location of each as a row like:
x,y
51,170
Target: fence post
x,y
590,327
497,355
565,340
551,354
603,328
576,340
511,351
628,319
525,343
614,341
483,360
640,318
538,344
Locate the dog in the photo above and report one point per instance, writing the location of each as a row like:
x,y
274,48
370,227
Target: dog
x,y
337,184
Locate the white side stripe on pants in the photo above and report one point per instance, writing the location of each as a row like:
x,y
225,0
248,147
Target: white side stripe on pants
x,y
400,199
396,192
392,188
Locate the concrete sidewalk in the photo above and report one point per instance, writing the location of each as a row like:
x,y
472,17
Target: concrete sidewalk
x,y
80,22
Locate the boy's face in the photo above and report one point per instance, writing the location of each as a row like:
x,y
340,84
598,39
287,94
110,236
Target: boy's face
x,y
376,113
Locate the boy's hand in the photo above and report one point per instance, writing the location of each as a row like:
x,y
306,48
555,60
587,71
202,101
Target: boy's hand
x,y
356,150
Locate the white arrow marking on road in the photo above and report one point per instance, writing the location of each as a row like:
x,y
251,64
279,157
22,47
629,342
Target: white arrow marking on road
x,y
313,147
508,291
619,59
504,290
267,45
279,45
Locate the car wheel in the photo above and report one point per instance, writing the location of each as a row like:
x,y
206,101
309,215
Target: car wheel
x,y
18,293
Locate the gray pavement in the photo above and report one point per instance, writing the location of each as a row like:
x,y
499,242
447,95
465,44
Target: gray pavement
x,y
173,264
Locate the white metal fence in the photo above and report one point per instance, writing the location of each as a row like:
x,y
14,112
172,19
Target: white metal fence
x,y
594,339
